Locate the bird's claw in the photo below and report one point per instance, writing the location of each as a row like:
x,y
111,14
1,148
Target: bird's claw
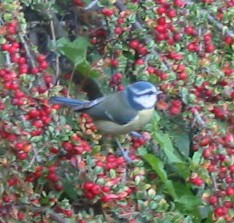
x,y
136,135
124,152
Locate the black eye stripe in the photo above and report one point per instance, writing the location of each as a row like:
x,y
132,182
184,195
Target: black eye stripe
x,y
147,93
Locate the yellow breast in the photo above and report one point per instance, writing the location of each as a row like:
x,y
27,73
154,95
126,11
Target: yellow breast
x,y
108,127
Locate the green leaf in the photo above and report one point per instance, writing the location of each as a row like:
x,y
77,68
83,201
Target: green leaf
x,y
112,173
86,69
197,156
158,167
137,180
132,18
76,50
44,200
188,200
36,139
166,144
70,190
182,142
184,94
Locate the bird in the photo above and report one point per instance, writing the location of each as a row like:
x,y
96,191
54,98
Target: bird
x,y
119,113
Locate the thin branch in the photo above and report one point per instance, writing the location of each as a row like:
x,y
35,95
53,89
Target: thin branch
x,y
130,214
71,78
52,215
57,67
214,21
8,59
198,118
218,24
28,53
147,38
92,5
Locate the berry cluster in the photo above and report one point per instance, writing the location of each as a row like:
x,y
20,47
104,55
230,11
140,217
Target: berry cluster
x,y
105,190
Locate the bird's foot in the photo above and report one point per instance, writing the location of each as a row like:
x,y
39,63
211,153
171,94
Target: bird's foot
x,y
144,136
136,135
124,152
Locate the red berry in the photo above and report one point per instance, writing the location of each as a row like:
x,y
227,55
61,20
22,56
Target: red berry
x,y
179,3
220,211
53,177
114,62
68,213
44,65
106,189
78,3
229,191
119,30
190,30
207,38
172,13
231,168
58,186
89,195
38,124
35,70
177,37
33,113
11,30
182,76
5,46
88,185
22,155
161,10
213,200
134,44
161,20
41,58
107,12
205,141
210,48
229,40
228,204
21,216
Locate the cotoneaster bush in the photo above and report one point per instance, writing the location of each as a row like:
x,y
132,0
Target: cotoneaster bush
x,y
55,165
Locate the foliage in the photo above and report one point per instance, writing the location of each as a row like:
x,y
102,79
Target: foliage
x,y
54,164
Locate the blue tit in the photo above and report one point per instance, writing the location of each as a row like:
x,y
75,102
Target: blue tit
x,y
121,112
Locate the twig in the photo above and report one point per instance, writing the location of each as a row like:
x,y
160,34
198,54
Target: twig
x,y
147,38
28,53
69,86
218,24
36,152
214,21
8,59
52,215
1,21
57,67
130,213
92,5
198,118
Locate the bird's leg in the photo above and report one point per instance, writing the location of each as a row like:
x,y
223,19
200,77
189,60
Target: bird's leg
x,y
136,135
124,153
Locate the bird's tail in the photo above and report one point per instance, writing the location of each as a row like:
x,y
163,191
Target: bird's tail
x,y
66,101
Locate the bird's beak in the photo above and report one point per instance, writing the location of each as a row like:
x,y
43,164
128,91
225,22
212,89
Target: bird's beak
x,y
158,92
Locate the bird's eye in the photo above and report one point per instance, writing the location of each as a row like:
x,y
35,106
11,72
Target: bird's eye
x,y
151,92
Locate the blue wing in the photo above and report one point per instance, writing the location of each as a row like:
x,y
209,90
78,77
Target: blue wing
x,y
112,108
76,104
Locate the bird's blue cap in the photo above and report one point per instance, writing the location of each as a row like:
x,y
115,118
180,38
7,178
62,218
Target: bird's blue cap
x,y
142,95
141,87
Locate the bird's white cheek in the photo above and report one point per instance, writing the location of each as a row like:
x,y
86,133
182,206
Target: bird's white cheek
x,y
147,101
